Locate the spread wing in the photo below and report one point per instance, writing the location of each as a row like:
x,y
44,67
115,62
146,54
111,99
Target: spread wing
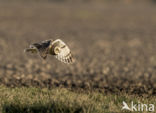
x,y
41,48
61,51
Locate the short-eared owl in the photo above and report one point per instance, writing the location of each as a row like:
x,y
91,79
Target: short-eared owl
x,y
57,48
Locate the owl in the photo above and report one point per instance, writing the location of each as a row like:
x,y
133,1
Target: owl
x,y
57,48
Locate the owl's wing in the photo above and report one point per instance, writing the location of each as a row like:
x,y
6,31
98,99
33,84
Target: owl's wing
x,y
62,51
41,48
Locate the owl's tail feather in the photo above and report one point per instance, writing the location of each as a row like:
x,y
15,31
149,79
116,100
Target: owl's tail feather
x,y
32,50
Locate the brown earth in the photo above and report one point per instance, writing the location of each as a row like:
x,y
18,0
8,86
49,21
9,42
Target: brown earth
x,y
114,45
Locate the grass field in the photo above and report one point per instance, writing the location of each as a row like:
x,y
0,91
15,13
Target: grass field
x,y
61,100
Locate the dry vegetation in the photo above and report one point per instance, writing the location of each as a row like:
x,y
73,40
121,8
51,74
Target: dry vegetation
x,y
61,100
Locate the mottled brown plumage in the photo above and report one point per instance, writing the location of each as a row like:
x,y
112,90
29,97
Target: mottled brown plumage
x,y
56,48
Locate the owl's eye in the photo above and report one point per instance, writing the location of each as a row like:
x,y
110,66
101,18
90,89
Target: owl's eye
x,y
57,50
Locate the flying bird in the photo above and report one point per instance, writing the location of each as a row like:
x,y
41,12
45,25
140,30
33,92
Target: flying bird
x,y
56,48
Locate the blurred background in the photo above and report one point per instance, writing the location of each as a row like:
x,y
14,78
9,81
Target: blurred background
x,y
113,41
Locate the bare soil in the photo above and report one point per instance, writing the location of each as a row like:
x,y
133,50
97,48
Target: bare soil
x,y
114,45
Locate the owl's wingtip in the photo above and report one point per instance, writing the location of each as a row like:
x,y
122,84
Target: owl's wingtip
x,y
71,61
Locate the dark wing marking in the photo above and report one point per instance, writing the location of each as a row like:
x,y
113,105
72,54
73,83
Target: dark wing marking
x,y
42,48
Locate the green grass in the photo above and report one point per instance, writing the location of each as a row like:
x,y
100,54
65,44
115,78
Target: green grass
x,y
61,100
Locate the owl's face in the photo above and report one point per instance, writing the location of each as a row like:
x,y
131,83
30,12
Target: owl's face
x,y
61,51
54,48
57,50
58,47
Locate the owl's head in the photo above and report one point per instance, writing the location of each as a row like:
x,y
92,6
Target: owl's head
x,y
61,51
55,48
